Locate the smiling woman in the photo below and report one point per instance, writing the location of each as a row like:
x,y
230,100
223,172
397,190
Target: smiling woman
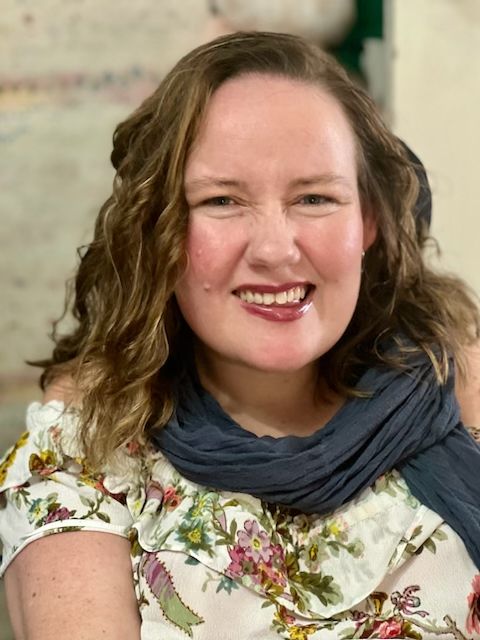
x,y
258,399
264,227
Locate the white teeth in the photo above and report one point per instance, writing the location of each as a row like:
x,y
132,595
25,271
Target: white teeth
x,y
295,294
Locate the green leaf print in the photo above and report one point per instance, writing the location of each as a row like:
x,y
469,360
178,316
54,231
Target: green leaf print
x,y
161,585
324,587
440,535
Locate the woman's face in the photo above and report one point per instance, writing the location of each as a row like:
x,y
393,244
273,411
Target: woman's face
x,y
276,232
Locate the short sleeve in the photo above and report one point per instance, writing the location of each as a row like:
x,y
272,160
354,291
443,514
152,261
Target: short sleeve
x,y
46,485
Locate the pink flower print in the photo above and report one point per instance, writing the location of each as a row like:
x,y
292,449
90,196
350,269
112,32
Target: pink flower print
x,y
275,569
62,513
473,619
391,628
255,542
285,616
277,560
271,574
171,499
237,556
99,486
241,566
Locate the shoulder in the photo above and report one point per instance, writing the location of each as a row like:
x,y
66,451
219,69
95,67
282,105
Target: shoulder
x,y
62,389
468,387
48,486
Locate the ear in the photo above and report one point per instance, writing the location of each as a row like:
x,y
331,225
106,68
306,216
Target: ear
x,y
370,229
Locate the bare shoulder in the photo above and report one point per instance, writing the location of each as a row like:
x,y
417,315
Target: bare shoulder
x,y
55,579
468,387
62,388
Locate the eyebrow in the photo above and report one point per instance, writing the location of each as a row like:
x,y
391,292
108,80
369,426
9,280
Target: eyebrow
x,y
210,181
323,179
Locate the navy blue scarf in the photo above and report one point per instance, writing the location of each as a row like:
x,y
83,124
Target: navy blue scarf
x,y
409,423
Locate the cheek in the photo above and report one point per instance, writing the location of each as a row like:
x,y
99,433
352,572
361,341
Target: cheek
x,y
336,251
213,253
213,249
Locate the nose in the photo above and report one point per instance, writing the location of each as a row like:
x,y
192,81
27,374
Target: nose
x,y
272,241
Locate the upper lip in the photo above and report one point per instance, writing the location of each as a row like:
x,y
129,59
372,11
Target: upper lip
x,y
271,288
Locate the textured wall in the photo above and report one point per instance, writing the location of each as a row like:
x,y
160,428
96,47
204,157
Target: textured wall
x,y
435,93
69,71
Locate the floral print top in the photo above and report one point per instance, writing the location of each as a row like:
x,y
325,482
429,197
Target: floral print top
x,y
215,565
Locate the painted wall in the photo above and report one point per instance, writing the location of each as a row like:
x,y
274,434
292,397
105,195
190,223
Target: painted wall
x,y
69,72
434,102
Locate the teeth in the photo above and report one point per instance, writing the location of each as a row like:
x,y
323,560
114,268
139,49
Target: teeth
x,y
296,294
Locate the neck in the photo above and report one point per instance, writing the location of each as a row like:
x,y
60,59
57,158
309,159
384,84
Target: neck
x,y
269,403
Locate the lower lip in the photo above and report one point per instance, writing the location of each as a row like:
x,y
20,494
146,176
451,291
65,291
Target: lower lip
x,y
279,313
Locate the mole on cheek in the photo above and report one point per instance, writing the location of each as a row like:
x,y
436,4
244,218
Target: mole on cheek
x,y
207,286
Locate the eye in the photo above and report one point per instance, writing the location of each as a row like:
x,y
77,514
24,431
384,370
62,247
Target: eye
x,y
315,199
218,201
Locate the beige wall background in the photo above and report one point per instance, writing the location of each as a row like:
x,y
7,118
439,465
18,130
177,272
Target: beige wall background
x,y
70,70
433,101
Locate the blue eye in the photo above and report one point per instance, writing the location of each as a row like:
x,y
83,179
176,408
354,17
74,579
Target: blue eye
x,y
314,199
219,201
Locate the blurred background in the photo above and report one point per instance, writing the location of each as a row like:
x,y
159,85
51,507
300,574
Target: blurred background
x,y
70,70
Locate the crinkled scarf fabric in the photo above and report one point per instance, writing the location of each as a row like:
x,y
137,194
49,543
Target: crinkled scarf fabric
x,y
409,423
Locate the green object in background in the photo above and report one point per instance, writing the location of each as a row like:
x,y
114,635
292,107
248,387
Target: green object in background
x,y
368,24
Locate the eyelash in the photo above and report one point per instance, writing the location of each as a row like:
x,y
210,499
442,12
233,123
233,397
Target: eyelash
x,y
319,199
223,201
215,201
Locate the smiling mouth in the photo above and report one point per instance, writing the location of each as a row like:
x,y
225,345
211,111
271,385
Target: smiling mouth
x,y
286,297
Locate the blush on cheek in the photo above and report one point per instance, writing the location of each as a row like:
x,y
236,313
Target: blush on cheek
x,y
338,260
204,247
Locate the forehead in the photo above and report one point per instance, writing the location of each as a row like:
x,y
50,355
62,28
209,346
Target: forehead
x,y
272,117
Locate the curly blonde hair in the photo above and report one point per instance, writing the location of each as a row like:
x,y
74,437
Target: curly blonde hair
x,y
130,342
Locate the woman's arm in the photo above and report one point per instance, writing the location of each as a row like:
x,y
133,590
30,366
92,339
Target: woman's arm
x,y
468,388
75,585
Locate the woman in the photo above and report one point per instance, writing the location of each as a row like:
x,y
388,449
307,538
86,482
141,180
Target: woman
x,y
260,389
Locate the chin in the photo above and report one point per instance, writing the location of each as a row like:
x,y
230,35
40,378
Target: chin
x,y
278,363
